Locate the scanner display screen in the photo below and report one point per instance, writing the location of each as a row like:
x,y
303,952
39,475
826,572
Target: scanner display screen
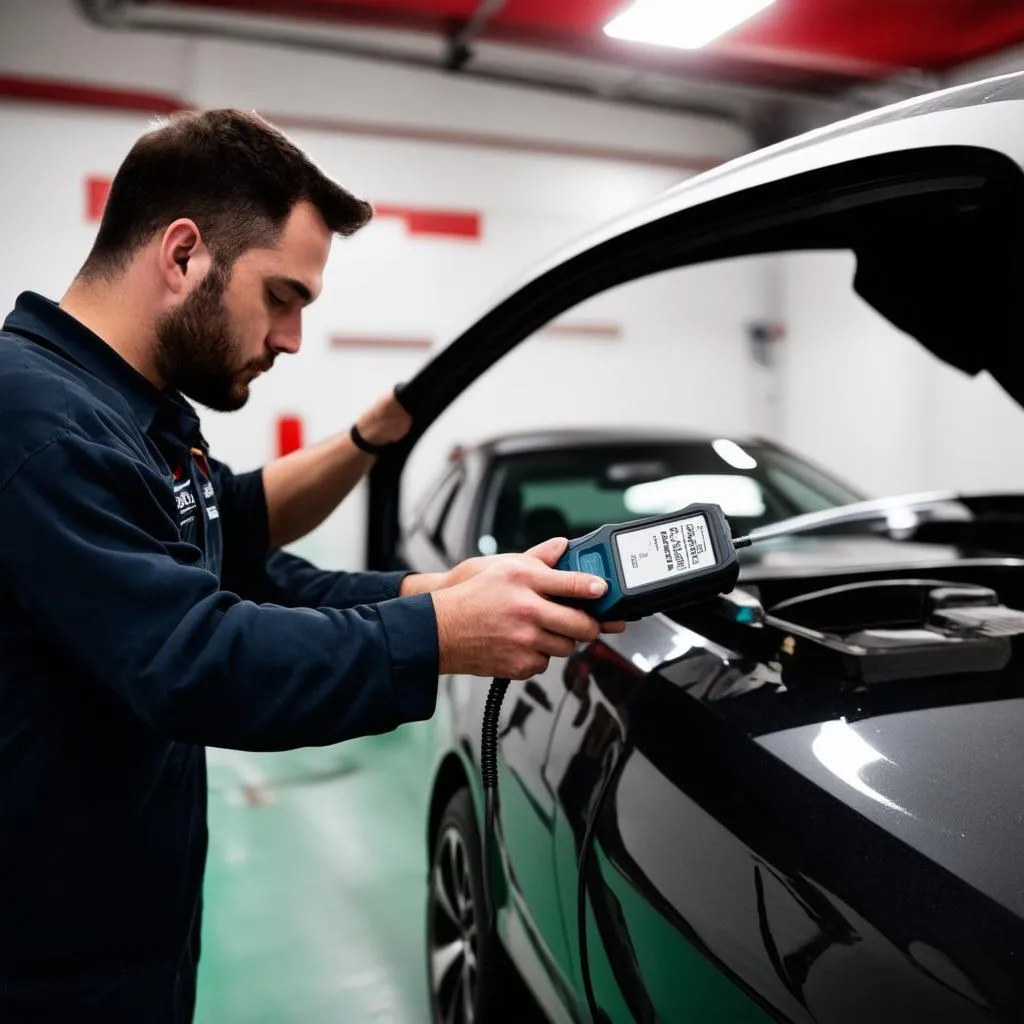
x,y
662,553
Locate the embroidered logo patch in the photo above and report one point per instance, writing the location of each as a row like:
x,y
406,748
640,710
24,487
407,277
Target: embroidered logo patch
x,y
186,502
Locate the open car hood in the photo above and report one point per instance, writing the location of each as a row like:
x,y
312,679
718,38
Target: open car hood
x,y
934,215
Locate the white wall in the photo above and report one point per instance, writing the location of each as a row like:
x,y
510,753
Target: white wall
x,y
682,361
870,401
384,281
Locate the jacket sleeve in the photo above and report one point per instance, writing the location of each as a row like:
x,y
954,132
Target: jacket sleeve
x,y
99,565
254,571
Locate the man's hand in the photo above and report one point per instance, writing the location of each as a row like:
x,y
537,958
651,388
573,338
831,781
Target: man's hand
x,y
495,620
431,582
385,422
548,552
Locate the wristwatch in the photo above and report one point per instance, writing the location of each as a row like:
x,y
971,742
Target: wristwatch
x,y
362,444
368,446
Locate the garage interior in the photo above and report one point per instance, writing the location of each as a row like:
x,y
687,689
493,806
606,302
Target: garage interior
x,y
490,134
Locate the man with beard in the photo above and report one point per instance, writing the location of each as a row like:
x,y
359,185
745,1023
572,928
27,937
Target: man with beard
x,y
147,607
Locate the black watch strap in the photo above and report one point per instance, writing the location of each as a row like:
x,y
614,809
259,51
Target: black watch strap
x,y
362,444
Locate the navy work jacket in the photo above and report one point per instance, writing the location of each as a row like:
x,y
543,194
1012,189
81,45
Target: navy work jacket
x,y
142,617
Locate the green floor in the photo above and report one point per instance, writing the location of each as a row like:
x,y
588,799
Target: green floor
x,y
315,885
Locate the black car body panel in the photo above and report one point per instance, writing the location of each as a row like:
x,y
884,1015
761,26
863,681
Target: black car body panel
x,y
883,824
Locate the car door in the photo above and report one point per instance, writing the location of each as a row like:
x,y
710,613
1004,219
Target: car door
x,y
643,962
439,536
526,816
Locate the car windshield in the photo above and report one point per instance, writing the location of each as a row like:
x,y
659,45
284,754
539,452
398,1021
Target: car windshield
x,y
571,491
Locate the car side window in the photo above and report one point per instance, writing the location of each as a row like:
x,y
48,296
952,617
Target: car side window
x,y
433,505
436,511
448,536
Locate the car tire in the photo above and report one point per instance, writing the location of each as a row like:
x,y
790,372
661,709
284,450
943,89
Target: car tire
x,y
470,977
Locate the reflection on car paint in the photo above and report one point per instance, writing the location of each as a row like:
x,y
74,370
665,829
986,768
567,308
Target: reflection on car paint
x,y
846,754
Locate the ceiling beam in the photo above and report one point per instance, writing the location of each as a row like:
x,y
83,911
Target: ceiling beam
x,y
728,61
128,15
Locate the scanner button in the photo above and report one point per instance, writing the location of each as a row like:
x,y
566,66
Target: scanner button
x,y
593,563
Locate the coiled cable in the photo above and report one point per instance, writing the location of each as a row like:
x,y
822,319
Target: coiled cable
x,y
489,775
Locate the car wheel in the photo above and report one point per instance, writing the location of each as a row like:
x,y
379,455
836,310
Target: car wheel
x,y
471,978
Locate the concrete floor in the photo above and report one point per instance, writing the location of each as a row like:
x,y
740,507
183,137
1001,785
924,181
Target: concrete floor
x,y
315,885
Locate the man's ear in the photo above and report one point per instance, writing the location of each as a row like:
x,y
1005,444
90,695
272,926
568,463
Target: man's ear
x,y
184,258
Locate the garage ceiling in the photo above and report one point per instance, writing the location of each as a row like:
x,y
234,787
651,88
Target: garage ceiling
x,y
796,64
813,45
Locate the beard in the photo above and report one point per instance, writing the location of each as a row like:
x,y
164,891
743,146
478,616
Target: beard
x,y
197,350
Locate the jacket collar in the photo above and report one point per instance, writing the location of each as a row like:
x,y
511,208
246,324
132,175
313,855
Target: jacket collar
x,y
41,320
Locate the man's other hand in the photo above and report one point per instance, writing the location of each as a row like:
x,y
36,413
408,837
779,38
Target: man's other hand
x,y
385,422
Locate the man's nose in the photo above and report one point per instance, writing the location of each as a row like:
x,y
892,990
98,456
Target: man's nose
x,y
288,340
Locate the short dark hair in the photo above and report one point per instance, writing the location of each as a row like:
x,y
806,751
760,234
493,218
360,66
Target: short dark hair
x,y
236,175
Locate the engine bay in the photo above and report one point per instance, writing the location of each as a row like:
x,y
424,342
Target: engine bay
x,y
863,626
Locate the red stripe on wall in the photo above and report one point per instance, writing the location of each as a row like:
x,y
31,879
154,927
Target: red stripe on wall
x,y
444,223
289,434
76,94
378,341
602,331
96,191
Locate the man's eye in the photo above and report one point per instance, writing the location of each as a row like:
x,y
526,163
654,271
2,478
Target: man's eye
x,y
276,300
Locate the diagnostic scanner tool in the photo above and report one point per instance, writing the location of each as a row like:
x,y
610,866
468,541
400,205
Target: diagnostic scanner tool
x,y
661,562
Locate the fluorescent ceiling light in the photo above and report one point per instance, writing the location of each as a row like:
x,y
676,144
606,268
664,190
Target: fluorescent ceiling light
x,y
684,23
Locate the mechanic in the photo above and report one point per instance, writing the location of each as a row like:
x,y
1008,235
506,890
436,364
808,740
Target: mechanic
x,y
148,608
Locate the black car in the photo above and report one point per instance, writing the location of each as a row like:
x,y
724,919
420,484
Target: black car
x,y
512,492
801,801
